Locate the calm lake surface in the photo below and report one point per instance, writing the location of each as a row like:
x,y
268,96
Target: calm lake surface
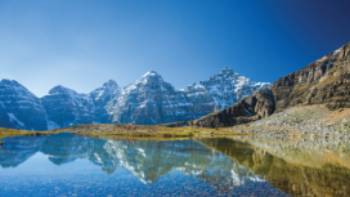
x,y
71,165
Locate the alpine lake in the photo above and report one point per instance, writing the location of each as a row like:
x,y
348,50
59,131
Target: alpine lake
x,y
73,165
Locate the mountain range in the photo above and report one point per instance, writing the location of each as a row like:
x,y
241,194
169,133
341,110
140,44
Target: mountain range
x,y
148,100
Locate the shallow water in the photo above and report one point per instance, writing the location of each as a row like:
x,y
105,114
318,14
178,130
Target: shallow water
x,y
71,165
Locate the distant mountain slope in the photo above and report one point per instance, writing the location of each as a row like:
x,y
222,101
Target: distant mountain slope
x,y
151,100
326,81
102,98
19,108
65,107
224,88
220,91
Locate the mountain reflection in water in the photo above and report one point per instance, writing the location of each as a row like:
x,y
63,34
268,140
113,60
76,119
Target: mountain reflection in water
x,y
71,165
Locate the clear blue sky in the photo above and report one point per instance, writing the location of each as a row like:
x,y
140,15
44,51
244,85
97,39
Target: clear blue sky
x,y
82,43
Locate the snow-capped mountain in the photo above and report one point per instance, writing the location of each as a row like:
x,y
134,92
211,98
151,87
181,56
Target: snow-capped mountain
x,y
221,91
19,108
149,100
65,107
102,98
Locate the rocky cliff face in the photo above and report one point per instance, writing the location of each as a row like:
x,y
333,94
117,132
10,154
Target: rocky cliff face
x,y
326,81
19,108
251,108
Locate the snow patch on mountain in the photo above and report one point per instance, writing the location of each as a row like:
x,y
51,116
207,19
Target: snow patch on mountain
x,y
13,119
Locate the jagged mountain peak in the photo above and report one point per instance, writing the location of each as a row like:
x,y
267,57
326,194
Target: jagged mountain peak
x,y
151,80
151,76
150,100
223,89
16,86
151,73
227,71
111,83
104,97
59,89
106,91
9,81
228,74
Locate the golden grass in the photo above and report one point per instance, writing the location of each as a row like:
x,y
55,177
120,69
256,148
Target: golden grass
x,y
131,132
150,132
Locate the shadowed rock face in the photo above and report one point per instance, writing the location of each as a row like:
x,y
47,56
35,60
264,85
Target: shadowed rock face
x,y
254,107
326,81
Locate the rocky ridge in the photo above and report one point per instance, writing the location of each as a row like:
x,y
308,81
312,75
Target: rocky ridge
x,y
325,81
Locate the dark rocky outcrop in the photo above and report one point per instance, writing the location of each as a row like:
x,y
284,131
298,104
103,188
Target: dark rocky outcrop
x,y
254,107
326,81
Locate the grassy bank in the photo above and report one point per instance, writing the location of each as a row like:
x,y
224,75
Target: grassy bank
x,y
14,132
129,132
147,132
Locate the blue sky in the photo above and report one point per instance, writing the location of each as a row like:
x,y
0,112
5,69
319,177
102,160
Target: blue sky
x,y
83,43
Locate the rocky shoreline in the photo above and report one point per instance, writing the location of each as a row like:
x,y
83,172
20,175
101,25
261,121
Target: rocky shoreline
x,y
302,120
